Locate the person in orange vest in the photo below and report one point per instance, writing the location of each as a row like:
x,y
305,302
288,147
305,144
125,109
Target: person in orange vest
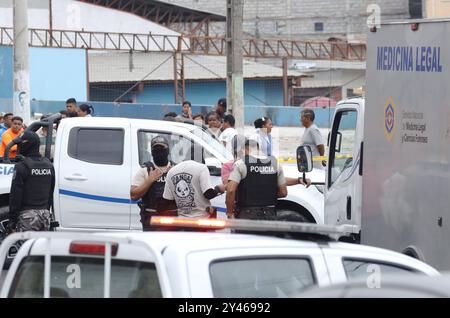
x,y
14,131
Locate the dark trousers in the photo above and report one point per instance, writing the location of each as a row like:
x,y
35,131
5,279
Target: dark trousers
x,y
33,220
146,218
256,213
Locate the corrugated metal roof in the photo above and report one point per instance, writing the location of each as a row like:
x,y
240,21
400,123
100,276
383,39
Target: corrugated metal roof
x,y
121,67
322,83
326,64
157,10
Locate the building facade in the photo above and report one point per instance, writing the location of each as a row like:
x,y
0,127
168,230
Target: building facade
x,y
309,19
436,8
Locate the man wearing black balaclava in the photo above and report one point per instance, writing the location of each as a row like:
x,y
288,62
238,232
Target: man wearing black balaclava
x,y
148,183
31,188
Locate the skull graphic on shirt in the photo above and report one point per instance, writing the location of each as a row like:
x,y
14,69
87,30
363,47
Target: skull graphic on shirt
x,y
182,189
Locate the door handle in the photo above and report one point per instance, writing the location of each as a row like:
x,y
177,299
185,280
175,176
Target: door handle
x,y
349,207
75,177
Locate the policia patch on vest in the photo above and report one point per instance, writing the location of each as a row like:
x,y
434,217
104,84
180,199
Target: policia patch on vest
x,y
262,169
260,187
41,172
37,186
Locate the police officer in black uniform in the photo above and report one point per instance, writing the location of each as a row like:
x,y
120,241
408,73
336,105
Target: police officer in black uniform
x,y
148,183
31,188
254,185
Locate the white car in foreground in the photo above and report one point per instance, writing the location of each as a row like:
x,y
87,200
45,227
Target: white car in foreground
x,y
188,264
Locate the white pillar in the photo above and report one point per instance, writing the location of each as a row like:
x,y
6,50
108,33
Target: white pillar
x,y
21,102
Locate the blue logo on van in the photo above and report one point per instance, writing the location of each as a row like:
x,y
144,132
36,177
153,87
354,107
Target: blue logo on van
x,y
389,119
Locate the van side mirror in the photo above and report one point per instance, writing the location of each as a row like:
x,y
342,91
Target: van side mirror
x,y
214,171
304,159
214,166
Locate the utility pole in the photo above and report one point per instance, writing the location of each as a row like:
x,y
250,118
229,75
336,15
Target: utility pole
x,y
285,82
21,102
50,21
235,78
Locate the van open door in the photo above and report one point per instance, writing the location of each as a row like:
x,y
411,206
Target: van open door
x,y
344,168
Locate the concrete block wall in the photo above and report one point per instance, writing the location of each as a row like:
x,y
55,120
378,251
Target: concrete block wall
x,y
296,18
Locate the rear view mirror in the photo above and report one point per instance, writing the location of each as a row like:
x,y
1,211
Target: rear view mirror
x,y
214,171
304,159
214,166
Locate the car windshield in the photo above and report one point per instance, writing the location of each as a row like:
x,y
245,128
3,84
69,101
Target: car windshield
x,y
216,145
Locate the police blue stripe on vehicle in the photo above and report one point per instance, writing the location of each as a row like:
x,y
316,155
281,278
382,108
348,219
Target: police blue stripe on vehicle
x,y
108,199
96,197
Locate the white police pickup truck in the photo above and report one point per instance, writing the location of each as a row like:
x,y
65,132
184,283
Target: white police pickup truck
x,y
187,264
96,158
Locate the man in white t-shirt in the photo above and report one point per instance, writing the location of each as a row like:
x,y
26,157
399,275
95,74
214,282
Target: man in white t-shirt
x,y
312,136
226,137
188,186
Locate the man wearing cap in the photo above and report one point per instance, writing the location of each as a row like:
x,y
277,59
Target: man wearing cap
x,y
31,188
254,185
148,183
221,108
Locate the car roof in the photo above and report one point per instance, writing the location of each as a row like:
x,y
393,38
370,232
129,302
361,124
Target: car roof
x,y
194,241
186,242
358,100
382,253
366,248
163,124
390,286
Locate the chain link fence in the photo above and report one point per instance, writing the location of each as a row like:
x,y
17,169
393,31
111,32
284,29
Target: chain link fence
x,y
166,78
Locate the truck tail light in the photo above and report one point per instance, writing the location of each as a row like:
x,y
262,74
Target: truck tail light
x,y
92,248
200,223
415,26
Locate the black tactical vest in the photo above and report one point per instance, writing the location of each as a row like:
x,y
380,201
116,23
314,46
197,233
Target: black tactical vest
x,y
260,187
36,190
155,192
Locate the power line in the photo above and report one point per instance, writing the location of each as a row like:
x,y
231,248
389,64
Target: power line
x,y
143,79
204,67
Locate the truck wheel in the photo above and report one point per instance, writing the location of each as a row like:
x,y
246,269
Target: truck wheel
x,y
291,216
